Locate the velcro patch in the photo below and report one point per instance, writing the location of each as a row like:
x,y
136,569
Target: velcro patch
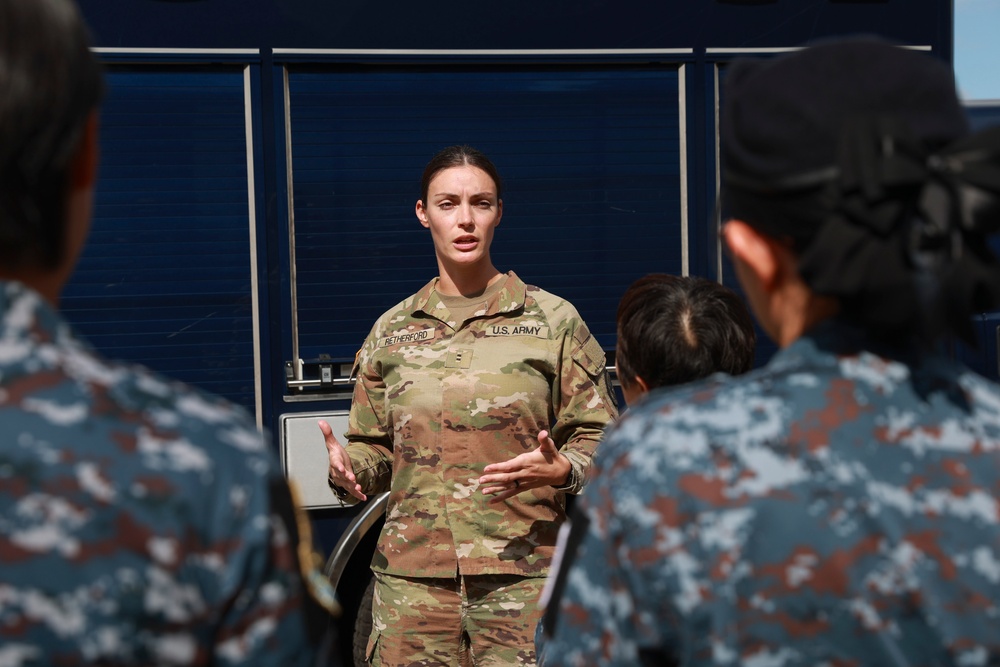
x,y
418,336
536,330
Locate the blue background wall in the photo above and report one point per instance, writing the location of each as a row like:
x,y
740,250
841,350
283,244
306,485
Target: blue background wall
x,y
245,139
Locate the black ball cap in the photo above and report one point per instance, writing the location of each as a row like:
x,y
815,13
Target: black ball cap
x,y
784,115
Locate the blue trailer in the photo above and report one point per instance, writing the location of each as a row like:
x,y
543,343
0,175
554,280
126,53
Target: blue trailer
x,y
260,163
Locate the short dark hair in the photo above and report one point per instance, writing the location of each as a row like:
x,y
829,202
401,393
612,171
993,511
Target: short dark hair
x,y
673,330
457,156
49,84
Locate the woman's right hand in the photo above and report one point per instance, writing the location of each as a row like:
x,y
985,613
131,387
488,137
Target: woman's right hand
x,y
341,470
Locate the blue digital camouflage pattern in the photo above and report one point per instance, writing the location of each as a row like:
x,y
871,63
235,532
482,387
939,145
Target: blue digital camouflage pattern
x,y
141,522
834,508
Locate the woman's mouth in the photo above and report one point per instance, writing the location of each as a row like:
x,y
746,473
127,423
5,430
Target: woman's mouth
x,y
466,243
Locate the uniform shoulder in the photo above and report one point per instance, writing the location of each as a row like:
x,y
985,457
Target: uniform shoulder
x,y
669,420
401,311
110,403
971,378
982,392
180,412
556,310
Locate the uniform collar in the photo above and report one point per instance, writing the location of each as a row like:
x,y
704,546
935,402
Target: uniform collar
x,y
509,299
839,337
26,314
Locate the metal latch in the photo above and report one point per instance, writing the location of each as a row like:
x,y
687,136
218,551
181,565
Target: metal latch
x,y
325,369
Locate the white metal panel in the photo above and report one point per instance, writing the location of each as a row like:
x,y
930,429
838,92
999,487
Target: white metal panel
x,y
304,457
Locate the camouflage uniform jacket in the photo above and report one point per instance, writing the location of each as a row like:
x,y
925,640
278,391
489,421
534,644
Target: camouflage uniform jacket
x,y
838,507
436,401
141,522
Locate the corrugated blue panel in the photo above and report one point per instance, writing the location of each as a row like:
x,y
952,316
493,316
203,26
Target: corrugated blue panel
x,y
591,162
165,277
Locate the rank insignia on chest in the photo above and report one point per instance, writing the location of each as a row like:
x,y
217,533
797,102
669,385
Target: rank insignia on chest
x,y
459,358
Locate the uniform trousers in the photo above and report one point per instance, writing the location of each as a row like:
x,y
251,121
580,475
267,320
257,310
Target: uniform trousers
x,y
480,621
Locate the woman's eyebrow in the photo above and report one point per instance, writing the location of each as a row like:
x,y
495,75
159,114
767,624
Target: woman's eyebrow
x,y
485,193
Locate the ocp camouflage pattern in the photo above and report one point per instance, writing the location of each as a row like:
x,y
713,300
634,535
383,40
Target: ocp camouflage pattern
x,y
140,520
838,507
436,401
417,621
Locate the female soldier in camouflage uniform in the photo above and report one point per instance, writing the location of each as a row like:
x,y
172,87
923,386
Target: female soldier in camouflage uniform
x,y
478,404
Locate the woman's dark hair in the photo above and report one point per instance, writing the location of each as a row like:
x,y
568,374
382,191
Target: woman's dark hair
x,y
50,83
673,330
457,156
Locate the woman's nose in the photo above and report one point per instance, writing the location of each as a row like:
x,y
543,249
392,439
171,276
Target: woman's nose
x,y
465,214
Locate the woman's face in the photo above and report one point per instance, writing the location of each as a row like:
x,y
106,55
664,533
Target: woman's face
x,y
462,210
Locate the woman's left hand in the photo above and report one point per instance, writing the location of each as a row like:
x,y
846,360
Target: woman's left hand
x,y
544,466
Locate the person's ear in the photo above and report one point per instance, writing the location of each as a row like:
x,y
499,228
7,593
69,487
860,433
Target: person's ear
x,y
756,251
499,212
422,213
634,390
83,170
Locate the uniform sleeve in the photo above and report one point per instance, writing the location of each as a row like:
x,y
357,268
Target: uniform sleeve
x,y
274,609
585,402
581,622
369,443
607,607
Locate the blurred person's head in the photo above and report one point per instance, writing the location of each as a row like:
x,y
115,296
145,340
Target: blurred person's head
x,y
50,88
673,330
851,188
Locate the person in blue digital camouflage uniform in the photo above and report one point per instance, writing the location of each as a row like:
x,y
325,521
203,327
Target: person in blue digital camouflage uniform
x,y
840,505
141,522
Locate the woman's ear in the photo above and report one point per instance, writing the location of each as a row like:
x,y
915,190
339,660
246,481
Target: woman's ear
x,y
422,213
757,252
633,391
